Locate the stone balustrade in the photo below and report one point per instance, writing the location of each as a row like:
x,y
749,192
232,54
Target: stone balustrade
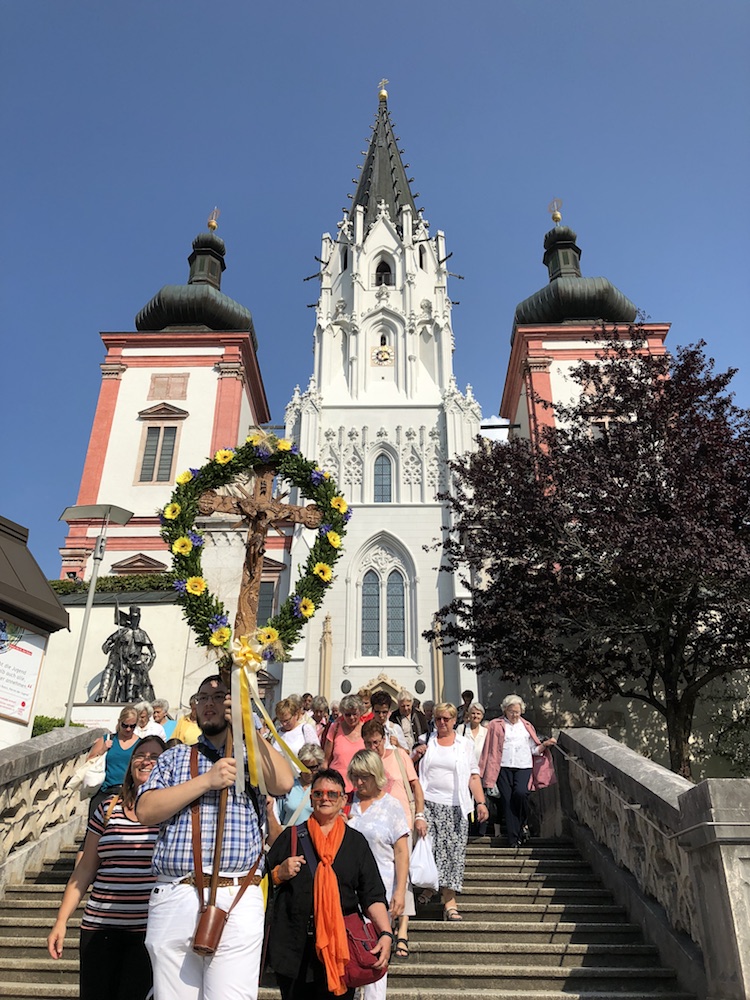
x,y
38,812
674,853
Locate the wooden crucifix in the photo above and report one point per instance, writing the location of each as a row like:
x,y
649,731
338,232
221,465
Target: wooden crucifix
x,y
262,511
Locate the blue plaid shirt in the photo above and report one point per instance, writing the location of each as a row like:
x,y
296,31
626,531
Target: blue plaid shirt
x,y
173,855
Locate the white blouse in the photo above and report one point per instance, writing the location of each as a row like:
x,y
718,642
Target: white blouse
x,y
518,746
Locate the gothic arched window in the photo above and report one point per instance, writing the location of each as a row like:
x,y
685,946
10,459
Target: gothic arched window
x,y
383,631
383,274
423,258
371,614
344,258
382,480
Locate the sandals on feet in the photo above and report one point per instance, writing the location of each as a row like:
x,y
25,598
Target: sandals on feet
x,y
451,914
402,948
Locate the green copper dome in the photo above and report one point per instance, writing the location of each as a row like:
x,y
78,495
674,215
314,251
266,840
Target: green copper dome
x,y
200,303
569,297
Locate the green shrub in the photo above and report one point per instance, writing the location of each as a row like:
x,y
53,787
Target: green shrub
x,y
116,584
46,723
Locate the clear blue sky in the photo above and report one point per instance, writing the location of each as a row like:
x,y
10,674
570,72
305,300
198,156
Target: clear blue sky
x,y
125,123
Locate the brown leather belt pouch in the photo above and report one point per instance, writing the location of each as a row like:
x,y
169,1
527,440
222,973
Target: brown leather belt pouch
x,y
207,935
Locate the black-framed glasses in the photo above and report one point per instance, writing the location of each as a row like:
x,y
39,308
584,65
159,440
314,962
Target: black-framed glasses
x,y
128,725
203,699
311,767
324,793
443,718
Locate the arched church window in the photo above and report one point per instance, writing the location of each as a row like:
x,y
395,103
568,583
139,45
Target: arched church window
x,y
383,274
382,480
371,614
423,258
344,258
395,615
383,340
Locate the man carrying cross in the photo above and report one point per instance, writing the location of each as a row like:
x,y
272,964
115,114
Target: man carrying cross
x,y
232,972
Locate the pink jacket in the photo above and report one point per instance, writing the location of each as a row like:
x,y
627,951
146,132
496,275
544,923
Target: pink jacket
x,y
542,774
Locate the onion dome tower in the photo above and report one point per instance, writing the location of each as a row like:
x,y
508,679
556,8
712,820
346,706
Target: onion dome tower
x,y
563,323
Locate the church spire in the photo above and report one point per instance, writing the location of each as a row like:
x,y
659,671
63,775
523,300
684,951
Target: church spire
x,y
383,176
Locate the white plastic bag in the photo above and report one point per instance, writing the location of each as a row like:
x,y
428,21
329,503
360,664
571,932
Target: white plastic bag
x,y
423,871
93,777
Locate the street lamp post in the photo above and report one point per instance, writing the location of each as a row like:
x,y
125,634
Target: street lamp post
x,y
108,514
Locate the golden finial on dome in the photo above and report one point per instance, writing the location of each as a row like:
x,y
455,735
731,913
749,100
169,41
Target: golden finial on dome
x,y
554,210
383,94
213,223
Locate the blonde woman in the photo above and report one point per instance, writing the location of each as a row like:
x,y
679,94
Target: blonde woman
x,y
294,726
449,776
380,819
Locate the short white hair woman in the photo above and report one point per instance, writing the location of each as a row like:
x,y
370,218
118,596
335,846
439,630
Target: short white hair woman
x,y
507,761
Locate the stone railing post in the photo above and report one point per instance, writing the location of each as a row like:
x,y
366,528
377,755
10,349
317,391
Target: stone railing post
x,y
715,832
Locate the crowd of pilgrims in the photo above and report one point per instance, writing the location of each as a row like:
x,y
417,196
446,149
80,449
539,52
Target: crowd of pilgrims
x,y
376,779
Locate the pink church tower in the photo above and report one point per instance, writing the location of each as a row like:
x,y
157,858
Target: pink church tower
x,y
184,384
558,326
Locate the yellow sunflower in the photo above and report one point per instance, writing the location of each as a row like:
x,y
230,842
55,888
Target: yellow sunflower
x,y
324,571
184,477
267,635
182,546
306,607
283,444
223,455
339,504
255,439
220,636
171,511
334,539
195,585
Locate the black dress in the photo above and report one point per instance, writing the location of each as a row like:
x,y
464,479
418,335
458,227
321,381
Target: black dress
x,y
291,937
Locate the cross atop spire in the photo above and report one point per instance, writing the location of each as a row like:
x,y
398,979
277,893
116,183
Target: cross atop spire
x,y
383,176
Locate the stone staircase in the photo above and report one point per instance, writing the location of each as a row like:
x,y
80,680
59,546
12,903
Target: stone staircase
x,y
536,925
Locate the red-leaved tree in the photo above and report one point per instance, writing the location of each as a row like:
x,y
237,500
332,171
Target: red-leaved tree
x,y
616,555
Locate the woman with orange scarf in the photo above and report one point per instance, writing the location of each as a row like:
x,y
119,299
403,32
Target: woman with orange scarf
x,y
307,944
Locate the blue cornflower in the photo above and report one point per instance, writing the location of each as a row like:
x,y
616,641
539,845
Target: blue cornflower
x,y
195,538
218,621
196,473
294,450
267,653
180,586
347,516
324,529
296,601
262,452
316,477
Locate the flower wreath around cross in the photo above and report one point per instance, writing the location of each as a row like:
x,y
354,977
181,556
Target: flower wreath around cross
x,y
202,610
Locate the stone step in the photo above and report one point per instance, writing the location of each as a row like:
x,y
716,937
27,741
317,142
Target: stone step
x,y
534,892
524,931
468,978
39,970
482,862
524,911
11,926
502,878
623,956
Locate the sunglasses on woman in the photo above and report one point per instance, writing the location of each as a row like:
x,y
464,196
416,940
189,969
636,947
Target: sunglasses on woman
x,y
319,794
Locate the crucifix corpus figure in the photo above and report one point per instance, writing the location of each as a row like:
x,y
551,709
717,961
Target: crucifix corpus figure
x,y
262,511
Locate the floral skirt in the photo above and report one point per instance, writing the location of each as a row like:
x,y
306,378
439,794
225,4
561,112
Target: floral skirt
x,y
449,830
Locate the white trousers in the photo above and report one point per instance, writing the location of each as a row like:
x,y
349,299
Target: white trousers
x,y
376,991
179,974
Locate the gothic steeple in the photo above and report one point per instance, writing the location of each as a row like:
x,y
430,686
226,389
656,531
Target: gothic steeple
x,y
383,172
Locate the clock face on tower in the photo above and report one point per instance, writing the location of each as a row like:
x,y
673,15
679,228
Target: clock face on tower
x,y
381,356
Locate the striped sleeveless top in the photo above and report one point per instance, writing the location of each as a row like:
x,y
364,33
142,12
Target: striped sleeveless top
x,y
123,882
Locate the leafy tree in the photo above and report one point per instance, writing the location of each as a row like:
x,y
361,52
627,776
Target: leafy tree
x,y
616,555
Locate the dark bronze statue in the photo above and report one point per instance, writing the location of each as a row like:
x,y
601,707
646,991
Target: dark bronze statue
x,y
131,655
